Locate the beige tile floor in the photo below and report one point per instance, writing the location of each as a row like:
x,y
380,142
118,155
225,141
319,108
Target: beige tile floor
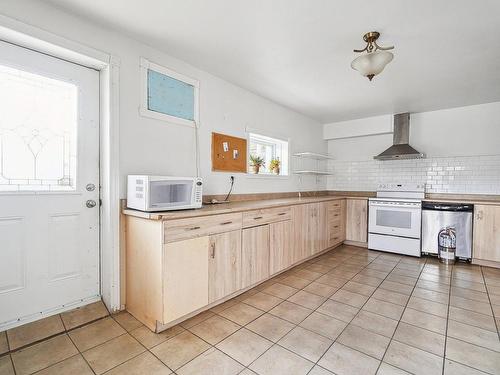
x,y
349,311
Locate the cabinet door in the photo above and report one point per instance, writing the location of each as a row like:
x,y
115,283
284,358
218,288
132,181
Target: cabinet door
x,y
322,231
185,277
357,220
486,237
299,233
224,265
255,255
281,251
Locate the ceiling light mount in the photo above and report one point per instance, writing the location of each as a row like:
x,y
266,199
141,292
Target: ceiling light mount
x,y
375,58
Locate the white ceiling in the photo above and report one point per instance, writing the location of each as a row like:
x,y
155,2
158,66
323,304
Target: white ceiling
x,y
298,52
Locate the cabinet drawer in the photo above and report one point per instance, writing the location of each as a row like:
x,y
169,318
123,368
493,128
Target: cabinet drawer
x,y
181,229
335,204
334,213
267,215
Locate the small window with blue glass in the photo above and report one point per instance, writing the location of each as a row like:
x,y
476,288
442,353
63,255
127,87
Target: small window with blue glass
x,y
168,95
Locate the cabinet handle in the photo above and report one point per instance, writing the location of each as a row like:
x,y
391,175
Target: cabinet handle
x,y
479,215
282,213
335,226
257,217
212,250
193,228
336,215
226,223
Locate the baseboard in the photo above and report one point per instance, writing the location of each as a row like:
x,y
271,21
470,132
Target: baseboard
x,y
486,263
356,243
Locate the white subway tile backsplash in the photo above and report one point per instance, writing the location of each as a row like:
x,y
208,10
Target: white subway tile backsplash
x,y
458,175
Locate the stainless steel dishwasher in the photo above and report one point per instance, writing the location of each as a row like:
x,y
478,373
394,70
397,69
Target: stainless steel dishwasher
x,y
437,216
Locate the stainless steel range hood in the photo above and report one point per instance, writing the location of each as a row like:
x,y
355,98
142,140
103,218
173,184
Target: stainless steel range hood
x,y
400,148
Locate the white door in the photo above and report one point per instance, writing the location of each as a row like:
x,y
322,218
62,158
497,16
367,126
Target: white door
x,y
49,183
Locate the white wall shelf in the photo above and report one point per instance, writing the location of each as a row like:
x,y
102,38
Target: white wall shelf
x,y
312,173
313,155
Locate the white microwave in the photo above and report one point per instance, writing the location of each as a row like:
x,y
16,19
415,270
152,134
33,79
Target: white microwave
x,y
163,193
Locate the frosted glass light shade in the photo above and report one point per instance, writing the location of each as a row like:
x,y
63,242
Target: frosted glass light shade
x,y
371,64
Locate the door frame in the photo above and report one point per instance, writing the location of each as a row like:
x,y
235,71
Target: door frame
x,y
27,36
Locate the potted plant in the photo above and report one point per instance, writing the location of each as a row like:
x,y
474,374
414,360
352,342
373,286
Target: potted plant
x,y
256,162
274,166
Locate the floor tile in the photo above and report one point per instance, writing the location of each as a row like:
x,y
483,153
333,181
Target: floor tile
x,y
472,318
478,287
349,298
364,341
308,300
374,273
470,294
127,321
223,306
427,306
411,281
346,361
180,349
359,288
375,323
424,320
338,310
320,289
392,297
319,371
472,355
291,312
413,360
43,354
455,368
73,365
308,274
263,301
244,346
332,281
212,361
85,314
214,329
397,287
280,290
467,304
150,339
474,335
368,280
96,333
241,313
280,361
420,338
324,325
4,345
112,353
387,369
143,364
431,295
34,331
387,309
197,319
295,282
6,367
307,344
270,327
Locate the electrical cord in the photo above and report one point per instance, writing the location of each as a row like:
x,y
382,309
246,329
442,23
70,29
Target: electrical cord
x,y
230,189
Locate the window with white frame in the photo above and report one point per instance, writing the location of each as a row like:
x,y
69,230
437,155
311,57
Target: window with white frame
x,y
168,95
267,155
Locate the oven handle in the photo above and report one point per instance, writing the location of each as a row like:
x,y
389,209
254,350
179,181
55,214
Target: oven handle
x,y
411,207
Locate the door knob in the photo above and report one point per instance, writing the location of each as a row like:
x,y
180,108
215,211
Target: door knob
x,y
90,203
90,187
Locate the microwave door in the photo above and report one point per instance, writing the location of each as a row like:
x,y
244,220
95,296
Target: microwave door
x,y
168,194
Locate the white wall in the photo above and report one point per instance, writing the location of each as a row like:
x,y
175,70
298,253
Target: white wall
x,y
462,147
155,147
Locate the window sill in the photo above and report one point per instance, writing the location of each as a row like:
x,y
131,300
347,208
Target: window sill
x,y
268,176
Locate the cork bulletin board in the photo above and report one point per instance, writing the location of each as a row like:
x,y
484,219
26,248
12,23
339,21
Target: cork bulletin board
x,y
229,154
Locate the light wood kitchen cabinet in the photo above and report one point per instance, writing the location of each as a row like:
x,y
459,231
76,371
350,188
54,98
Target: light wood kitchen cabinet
x,y
254,255
281,253
357,220
486,237
336,222
185,277
224,265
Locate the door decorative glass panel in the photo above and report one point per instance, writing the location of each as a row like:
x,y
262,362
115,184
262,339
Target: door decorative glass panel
x,y
38,127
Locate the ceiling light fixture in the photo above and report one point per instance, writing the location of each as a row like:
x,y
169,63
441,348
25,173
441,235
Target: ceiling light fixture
x,y
375,59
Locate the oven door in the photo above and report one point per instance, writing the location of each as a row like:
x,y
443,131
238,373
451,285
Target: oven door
x,y
395,218
170,194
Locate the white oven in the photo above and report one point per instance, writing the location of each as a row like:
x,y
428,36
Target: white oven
x,y
163,193
394,219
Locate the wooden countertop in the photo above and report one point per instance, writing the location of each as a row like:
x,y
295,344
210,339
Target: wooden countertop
x,y
241,206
